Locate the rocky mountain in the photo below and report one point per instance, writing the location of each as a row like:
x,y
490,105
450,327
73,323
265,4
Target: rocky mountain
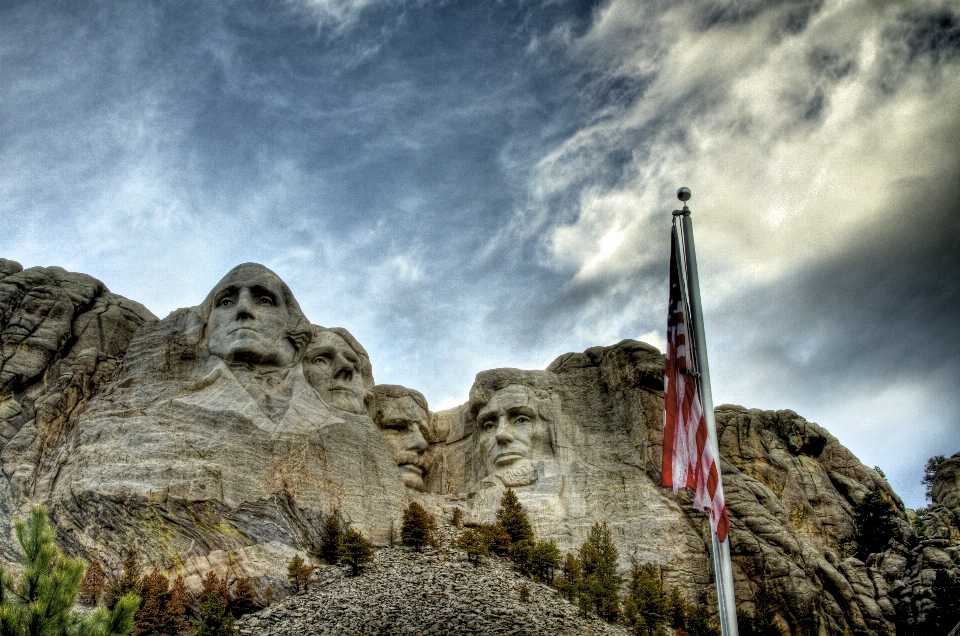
x,y
225,435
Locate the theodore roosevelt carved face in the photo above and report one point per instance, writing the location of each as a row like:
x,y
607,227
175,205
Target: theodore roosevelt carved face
x,y
402,417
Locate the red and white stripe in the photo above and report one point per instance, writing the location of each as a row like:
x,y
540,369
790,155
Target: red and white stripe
x,y
688,459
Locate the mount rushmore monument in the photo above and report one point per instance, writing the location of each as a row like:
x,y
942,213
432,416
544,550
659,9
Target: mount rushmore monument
x,y
224,436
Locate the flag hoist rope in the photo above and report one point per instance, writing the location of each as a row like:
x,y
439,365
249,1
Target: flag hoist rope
x,y
723,568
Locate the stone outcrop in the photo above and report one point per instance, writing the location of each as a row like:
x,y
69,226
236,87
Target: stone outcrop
x,y
224,436
62,336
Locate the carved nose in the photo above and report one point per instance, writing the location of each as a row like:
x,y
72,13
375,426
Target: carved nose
x,y
417,441
342,369
504,434
245,305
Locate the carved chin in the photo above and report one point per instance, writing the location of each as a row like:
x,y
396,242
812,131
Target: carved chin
x,y
346,401
515,476
412,476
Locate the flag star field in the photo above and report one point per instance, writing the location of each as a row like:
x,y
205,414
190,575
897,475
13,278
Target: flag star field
x,y
470,185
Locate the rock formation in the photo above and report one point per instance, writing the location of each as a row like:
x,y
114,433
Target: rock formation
x,y
224,436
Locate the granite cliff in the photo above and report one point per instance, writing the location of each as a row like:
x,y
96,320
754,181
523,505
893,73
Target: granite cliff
x,y
223,436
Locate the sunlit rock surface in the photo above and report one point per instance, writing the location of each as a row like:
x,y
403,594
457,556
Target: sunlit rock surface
x,y
223,436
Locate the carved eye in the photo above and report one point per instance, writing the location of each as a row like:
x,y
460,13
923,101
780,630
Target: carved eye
x,y
321,359
263,300
486,425
522,419
224,302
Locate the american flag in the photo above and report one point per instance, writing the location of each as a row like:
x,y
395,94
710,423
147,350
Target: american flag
x,y
688,459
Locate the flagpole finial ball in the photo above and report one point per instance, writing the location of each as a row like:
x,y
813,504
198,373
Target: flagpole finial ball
x,y
684,194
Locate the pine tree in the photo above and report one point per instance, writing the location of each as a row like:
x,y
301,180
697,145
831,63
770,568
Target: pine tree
x,y
764,612
299,573
93,585
571,577
522,556
513,519
129,580
457,517
875,522
215,620
357,551
331,539
152,618
945,613
698,622
418,527
545,560
677,609
929,472
471,542
646,604
180,602
600,580
243,600
496,538
41,601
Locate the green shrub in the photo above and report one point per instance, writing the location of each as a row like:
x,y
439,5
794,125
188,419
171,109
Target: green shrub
x,y
875,522
41,601
356,551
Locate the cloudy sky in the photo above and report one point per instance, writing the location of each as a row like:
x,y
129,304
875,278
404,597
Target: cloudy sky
x,y
468,185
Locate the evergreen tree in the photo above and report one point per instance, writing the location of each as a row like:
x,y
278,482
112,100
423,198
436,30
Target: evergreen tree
x,y
600,579
929,472
522,556
152,618
41,601
764,612
243,600
571,577
299,573
129,580
457,517
215,620
646,604
946,597
513,519
745,625
875,522
471,542
180,602
496,538
545,559
699,624
357,551
677,609
331,539
418,527
93,585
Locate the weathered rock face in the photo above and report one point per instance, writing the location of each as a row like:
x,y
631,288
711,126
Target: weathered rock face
x,y
62,336
223,436
211,440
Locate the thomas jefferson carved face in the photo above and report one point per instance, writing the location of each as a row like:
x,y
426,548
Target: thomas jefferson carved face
x,y
509,428
249,319
402,421
335,370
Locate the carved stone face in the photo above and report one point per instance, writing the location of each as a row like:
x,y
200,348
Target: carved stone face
x,y
509,427
333,368
249,319
402,420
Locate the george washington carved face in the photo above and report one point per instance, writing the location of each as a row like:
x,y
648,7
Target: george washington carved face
x,y
253,318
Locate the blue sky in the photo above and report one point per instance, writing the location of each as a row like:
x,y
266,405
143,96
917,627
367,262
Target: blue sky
x,y
475,185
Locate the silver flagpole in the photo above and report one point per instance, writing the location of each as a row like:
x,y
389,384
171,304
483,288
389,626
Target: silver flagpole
x,y
722,565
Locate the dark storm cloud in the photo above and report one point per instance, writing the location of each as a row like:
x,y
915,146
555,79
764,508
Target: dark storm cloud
x,y
474,185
